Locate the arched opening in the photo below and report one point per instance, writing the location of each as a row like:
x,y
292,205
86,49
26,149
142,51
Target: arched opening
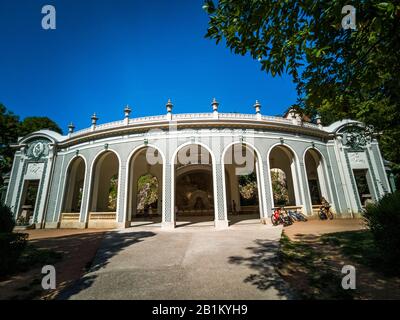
x,y
280,189
194,190
144,203
242,183
73,193
74,186
284,183
315,178
104,196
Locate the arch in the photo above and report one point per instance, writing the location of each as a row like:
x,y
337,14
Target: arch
x,y
291,169
233,198
74,187
314,159
134,172
174,163
98,213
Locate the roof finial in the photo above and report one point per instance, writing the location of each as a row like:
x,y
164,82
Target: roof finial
x,y
169,106
94,119
71,128
215,104
127,111
257,106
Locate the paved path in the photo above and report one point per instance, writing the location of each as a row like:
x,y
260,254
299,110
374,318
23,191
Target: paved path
x,y
187,263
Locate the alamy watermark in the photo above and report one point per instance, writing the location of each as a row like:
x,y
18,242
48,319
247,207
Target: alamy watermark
x,y
349,20
49,279
49,20
349,280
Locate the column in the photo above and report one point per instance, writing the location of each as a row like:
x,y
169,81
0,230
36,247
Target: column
x,y
221,218
303,184
122,220
267,195
168,210
87,189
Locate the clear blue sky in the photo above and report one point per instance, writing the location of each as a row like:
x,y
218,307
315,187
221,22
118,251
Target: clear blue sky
x,y
105,54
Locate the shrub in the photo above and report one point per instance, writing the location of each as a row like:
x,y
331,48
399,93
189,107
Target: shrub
x,y
7,222
383,220
11,247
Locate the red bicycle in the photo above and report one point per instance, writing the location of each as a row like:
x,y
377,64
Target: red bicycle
x,y
280,216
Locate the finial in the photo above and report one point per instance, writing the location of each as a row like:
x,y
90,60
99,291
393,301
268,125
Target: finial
x,y
127,111
215,104
169,106
94,119
71,128
318,118
257,106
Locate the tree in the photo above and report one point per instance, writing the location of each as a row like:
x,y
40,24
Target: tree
x,y
9,123
339,73
32,124
11,128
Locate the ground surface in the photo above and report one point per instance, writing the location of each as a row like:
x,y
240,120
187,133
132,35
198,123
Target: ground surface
x,y
299,230
191,262
78,248
312,260
187,263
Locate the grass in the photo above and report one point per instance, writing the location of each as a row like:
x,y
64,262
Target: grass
x,y
33,257
357,245
309,272
312,266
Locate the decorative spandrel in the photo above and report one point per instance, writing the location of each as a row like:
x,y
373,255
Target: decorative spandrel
x,y
356,137
38,149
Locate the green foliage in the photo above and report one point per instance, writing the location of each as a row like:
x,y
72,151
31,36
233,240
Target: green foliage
x,y
32,124
11,128
113,193
11,247
248,188
383,220
147,191
339,73
7,222
279,188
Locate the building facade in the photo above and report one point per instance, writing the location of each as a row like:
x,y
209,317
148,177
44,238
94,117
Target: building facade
x,y
176,165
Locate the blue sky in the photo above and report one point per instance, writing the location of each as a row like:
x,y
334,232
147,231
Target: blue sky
x,y
105,54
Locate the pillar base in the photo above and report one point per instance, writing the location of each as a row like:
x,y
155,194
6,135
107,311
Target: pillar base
x,y
51,225
168,225
221,224
265,221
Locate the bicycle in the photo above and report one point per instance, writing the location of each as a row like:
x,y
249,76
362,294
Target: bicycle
x,y
325,213
280,216
297,216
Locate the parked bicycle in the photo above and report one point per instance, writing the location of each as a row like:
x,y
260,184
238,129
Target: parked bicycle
x,y
296,216
325,211
280,216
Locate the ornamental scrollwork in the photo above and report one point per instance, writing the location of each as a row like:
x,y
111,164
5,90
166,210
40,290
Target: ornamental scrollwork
x,y
37,149
356,137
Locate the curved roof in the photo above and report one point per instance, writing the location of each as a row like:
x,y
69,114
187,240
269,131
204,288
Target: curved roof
x,y
49,134
191,120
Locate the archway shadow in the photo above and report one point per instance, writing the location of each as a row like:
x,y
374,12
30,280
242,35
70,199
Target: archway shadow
x,y
112,244
244,219
262,261
194,221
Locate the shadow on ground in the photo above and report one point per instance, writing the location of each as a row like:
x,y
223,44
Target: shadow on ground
x,y
263,261
114,242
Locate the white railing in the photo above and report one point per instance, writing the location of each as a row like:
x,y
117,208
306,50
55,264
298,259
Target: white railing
x,y
191,116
